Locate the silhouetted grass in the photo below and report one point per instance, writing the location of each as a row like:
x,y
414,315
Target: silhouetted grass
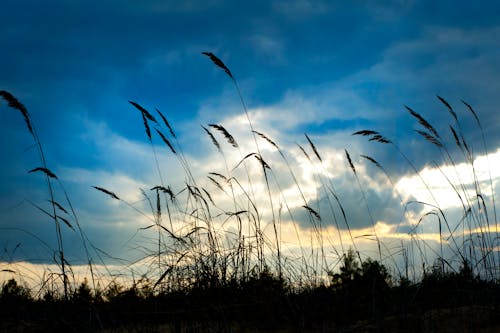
x,y
204,276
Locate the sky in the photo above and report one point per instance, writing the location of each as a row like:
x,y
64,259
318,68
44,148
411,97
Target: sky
x,y
324,68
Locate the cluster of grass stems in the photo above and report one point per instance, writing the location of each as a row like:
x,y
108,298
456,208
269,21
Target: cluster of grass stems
x,y
198,241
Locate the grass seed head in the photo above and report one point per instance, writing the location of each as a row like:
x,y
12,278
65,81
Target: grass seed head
x,y
15,104
218,63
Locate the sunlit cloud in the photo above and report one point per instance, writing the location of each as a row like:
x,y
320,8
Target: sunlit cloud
x,y
448,186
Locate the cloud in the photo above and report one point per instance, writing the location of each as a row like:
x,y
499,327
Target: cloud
x,y
446,61
385,204
105,216
372,201
449,186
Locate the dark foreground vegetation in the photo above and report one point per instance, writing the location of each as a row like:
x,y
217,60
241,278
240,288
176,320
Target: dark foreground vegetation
x,y
361,298
205,277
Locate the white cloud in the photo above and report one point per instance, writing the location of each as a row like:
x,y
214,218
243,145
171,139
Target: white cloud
x,y
447,182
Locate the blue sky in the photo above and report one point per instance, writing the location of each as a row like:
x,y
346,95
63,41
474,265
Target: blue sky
x,y
323,68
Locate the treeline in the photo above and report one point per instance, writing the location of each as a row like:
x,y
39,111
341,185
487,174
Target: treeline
x,y
361,296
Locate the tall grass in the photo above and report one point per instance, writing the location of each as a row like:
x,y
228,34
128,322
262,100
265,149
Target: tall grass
x,y
222,230
476,220
61,210
49,176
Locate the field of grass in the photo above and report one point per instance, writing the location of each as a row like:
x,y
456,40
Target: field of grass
x,y
217,261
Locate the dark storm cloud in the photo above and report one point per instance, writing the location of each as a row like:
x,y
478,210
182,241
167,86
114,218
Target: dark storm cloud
x,y
362,208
